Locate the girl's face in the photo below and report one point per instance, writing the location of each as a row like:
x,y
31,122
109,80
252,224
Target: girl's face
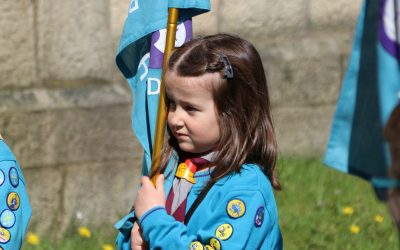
x,y
192,115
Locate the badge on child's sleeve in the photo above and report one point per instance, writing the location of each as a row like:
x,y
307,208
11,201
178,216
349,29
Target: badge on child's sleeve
x,y
214,242
5,235
13,201
7,218
196,245
236,208
224,231
2,177
14,178
259,218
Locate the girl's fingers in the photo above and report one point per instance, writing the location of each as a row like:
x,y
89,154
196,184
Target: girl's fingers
x,y
136,238
160,183
145,180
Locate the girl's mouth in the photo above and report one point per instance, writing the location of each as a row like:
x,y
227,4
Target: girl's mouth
x,y
180,135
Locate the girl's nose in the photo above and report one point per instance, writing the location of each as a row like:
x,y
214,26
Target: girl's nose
x,y
175,119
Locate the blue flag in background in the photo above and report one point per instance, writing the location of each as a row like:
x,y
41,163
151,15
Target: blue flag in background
x,y
140,56
369,93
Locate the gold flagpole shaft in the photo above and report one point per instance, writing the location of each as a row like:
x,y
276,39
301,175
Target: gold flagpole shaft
x,y
161,115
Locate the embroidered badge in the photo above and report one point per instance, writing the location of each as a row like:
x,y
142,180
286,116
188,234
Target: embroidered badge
x,y
13,201
7,218
214,242
186,171
2,177
196,245
5,235
224,231
236,208
259,218
14,179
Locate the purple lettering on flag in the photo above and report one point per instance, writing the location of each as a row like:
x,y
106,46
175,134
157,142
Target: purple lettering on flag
x,y
389,27
183,34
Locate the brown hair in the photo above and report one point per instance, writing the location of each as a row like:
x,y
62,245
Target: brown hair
x,y
242,103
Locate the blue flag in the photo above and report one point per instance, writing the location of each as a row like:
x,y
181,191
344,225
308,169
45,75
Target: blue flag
x,y
369,93
140,56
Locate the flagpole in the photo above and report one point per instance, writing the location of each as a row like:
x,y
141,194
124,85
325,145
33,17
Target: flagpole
x,y
161,115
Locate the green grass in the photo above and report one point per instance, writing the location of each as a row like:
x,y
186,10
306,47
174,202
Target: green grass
x,y
310,209
70,243
73,241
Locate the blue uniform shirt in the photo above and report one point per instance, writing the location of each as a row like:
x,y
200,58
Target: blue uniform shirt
x,y
239,212
15,210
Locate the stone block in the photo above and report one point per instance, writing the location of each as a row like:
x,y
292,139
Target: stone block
x,y
95,194
340,14
208,23
256,20
303,131
307,69
56,127
119,12
45,188
17,44
99,193
74,41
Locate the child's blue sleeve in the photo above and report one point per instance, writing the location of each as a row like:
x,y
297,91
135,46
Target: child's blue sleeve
x,y
15,209
124,226
236,219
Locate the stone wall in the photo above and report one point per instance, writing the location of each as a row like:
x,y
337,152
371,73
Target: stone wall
x,y
65,108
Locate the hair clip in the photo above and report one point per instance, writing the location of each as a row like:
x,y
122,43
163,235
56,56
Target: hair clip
x,y
228,67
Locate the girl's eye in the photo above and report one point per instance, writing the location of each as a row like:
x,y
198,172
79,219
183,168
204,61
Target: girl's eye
x,y
191,109
171,104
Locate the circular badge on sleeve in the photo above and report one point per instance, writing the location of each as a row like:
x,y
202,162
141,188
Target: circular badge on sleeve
x,y
2,177
196,245
224,231
259,218
236,208
14,178
7,218
214,242
13,201
5,235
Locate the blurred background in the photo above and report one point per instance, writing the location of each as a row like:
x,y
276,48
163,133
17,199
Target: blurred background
x,y
65,111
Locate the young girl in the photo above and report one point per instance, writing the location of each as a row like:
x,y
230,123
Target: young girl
x,y
219,126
